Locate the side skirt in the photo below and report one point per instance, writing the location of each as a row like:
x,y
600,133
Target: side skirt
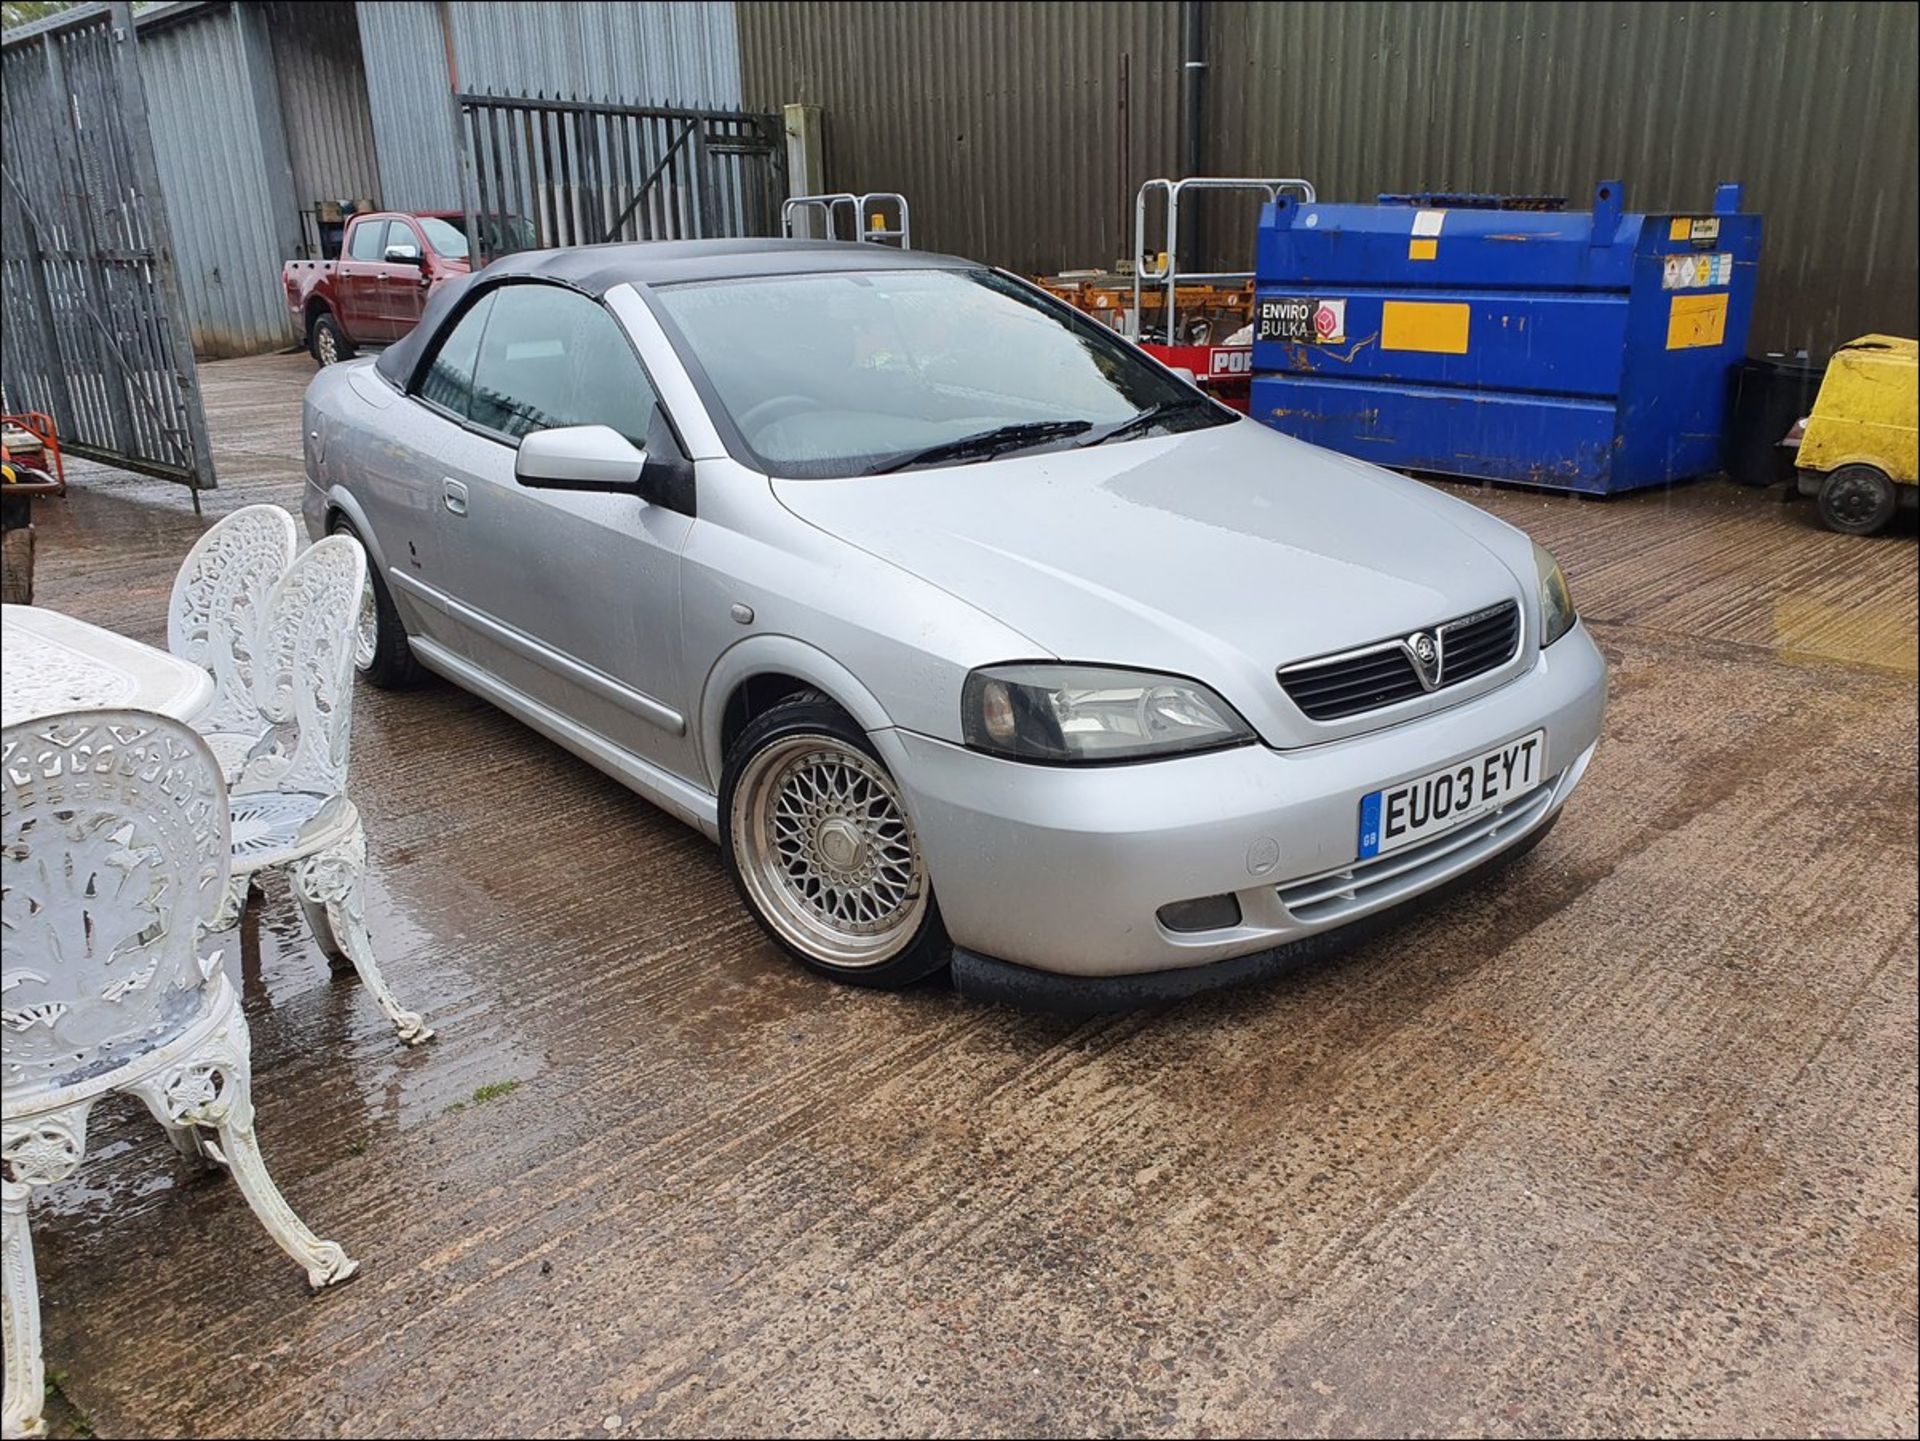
x,y
673,795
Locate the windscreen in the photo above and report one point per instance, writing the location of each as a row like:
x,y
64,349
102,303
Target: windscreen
x,y
840,374
447,240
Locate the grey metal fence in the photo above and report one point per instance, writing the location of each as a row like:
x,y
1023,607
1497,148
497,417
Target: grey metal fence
x,y
567,172
95,334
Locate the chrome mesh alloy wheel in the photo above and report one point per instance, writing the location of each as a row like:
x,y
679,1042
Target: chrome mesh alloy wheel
x,y
366,627
826,851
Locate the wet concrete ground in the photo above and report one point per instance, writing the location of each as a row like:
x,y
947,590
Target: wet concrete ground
x,y
1626,1143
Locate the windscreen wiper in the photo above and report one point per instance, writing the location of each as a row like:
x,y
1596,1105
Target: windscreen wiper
x,y
986,444
1151,416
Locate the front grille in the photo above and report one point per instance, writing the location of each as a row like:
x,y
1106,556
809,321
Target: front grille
x,y
1364,884
1386,672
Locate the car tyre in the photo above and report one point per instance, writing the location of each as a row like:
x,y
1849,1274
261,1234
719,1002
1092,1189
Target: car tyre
x,y
382,654
819,844
327,342
1857,500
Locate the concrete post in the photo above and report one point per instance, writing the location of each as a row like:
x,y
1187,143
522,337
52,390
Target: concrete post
x,y
806,164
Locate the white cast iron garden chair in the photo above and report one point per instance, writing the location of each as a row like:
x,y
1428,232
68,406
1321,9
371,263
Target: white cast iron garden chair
x,y
113,851
289,806
213,619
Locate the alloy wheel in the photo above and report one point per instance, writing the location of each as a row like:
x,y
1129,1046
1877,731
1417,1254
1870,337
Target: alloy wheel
x,y
827,852
366,627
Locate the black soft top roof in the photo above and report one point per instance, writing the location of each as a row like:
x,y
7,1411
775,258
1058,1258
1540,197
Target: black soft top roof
x,y
596,269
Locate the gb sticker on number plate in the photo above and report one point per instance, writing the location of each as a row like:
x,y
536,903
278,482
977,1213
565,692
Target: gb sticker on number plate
x,y
1421,808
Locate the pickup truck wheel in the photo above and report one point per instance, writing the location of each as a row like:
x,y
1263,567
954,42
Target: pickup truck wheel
x,y
1857,500
327,341
820,847
381,652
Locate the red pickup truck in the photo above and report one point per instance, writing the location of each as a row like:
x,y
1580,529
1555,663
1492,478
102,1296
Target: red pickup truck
x,y
375,291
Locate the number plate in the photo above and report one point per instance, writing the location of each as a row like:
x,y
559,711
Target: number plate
x,y
1422,808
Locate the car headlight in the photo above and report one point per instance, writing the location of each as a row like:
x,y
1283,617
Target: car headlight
x,y
1556,601
1043,712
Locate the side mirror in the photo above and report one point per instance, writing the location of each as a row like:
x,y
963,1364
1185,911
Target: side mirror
x,y
579,457
1185,374
599,458
403,255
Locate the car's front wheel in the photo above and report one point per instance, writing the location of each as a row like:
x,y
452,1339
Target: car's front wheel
x,y
822,850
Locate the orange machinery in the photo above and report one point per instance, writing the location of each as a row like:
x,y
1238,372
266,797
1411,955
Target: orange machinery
x,y
31,440
1197,321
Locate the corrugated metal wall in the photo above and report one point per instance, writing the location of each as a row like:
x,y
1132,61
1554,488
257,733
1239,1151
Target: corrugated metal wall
x,y
408,105
631,52
1000,122
221,156
649,53
1810,106
323,95
1018,133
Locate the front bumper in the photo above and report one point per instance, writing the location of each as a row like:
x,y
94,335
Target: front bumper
x,y
981,978
1064,869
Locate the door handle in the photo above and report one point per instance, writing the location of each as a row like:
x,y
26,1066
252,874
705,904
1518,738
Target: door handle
x,y
456,496
380,276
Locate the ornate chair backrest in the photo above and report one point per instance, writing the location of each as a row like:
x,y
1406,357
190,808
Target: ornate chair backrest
x,y
303,682
219,603
113,851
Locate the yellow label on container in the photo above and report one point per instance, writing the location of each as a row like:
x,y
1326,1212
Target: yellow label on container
x,y
1696,320
1423,250
1680,229
1440,329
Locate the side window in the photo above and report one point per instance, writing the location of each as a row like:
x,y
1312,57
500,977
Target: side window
x,y
366,241
551,357
449,379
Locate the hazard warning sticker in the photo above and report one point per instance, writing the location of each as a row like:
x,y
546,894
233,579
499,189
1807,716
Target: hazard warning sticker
x,y
1300,320
1696,272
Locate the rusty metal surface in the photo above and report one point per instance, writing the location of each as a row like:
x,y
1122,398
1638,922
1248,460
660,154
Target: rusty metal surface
x,y
999,121
1624,1145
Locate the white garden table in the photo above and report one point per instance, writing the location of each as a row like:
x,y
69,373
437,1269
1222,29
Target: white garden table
x,y
51,663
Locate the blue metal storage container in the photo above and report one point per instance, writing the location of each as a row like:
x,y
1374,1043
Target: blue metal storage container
x,y
1513,340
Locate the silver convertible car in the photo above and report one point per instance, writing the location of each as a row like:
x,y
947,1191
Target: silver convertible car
x,y
975,636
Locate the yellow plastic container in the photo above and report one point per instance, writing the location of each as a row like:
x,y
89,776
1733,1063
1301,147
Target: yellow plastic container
x,y
1858,450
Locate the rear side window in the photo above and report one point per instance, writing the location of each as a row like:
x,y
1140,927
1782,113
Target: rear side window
x,y
366,241
449,379
552,357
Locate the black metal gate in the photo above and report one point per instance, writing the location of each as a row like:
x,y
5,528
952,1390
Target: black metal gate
x,y
567,172
95,333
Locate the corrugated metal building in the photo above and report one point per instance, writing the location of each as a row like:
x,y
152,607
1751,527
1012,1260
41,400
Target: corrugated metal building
x,y
623,53
1019,132
221,151
323,96
264,110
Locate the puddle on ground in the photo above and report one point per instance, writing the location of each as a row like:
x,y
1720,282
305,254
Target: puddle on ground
x,y
1877,635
